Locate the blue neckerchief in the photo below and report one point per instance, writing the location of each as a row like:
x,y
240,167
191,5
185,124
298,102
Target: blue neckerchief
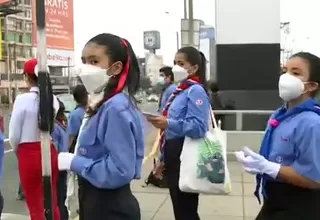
x,y
280,115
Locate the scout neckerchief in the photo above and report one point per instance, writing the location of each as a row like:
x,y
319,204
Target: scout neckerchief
x,y
279,116
192,80
62,124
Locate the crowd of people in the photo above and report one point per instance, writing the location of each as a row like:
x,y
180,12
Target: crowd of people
x,y
102,141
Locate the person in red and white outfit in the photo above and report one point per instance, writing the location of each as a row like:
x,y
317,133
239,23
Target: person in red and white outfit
x,y
24,137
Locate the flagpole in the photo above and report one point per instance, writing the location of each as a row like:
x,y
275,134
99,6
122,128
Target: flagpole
x,y
45,107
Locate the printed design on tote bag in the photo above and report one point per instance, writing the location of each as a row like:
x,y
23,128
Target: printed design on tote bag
x,y
211,164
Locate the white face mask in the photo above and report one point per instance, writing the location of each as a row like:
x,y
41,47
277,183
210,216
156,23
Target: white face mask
x,y
179,73
93,77
290,87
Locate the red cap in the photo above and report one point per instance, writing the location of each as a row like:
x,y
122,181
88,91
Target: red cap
x,y
31,67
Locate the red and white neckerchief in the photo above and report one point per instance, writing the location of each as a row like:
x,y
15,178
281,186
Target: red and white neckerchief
x,y
183,86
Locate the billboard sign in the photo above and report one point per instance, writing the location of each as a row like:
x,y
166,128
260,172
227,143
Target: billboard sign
x,y
62,58
59,25
5,2
59,31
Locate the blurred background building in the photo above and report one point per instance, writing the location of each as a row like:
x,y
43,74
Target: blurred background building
x,y
18,44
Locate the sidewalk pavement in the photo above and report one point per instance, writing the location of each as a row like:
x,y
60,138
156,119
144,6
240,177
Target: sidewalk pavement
x,y
155,203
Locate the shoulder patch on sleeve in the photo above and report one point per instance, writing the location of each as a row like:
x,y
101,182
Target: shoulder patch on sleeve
x,y
199,102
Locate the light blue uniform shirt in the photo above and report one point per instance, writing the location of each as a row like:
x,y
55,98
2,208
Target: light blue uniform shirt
x,y
60,138
296,143
111,145
188,114
165,96
75,120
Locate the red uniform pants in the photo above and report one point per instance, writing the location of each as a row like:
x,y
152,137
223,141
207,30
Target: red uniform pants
x,y
30,171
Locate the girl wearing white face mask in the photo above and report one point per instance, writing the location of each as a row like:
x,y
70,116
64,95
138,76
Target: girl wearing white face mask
x,y
167,78
288,165
110,146
186,113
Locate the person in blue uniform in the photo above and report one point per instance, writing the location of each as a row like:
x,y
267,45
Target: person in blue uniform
x,y
167,79
60,139
110,146
185,114
80,95
288,165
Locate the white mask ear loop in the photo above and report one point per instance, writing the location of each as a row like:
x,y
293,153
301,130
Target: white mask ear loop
x,y
310,91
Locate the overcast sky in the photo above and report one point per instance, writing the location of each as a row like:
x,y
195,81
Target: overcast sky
x,y
129,18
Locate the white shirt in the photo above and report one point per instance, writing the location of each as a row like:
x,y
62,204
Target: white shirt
x,y
23,126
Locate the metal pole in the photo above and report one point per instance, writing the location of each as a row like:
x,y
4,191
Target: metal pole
x,y
185,13
239,121
15,70
69,76
45,108
191,27
10,72
8,60
178,42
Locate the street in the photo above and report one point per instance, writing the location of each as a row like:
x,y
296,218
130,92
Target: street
x,y
9,186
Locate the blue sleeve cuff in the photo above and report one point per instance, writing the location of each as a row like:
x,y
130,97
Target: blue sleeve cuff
x,y
307,172
173,125
79,163
72,132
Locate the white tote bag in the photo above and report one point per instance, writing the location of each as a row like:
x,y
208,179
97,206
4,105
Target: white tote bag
x,y
204,163
71,179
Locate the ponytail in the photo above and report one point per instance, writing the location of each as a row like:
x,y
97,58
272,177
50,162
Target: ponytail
x,y
46,105
203,70
133,78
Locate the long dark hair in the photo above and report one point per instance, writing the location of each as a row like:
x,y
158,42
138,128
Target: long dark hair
x,y
167,71
195,57
61,118
314,67
51,111
118,49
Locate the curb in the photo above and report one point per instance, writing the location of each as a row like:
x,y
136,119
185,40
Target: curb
x,y
10,216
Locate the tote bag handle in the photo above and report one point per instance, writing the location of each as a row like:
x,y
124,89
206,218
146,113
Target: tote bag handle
x,y
83,123
213,119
